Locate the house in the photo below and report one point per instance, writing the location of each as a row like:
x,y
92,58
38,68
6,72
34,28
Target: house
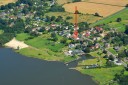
x,y
94,38
20,15
107,45
2,14
117,48
53,25
99,29
52,3
12,24
71,45
117,61
92,47
92,66
87,33
69,53
12,17
74,52
97,45
98,38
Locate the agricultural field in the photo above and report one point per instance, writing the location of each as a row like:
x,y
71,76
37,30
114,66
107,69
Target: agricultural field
x,y
111,20
3,2
92,8
109,2
82,17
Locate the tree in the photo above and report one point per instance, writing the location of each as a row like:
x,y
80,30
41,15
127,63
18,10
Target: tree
x,y
126,29
55,38
111,58
63,40
97,14
53,34
76,0
53,18
87,50
106,56
126,5
125,40
110,63
83,26
48,19
55,8
118,19
104,51
25,11
59,18
68,17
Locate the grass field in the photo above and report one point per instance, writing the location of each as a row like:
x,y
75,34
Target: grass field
x,y
3,2
102,75
92,8
82,17
42,48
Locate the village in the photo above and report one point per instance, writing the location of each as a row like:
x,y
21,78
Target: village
x,y
105,45
89,40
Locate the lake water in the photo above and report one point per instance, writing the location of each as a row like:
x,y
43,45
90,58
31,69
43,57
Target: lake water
x,y
16,69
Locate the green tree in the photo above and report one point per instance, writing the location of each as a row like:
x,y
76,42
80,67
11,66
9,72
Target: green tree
x,y
111,58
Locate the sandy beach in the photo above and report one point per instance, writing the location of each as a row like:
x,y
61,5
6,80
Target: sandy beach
x,y
15,44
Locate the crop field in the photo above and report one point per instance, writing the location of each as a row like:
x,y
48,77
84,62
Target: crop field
x,y
108,2
82,17
111,2
111,20
3,2
92,8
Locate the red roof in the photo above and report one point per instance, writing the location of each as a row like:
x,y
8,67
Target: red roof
x,y
99,28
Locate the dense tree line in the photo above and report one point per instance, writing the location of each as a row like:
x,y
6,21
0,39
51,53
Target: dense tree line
x,y
117,38
121,78
10,32
83,26
76,0
55,8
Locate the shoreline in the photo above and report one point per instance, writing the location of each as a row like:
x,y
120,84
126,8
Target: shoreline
x,y
16,44
74,68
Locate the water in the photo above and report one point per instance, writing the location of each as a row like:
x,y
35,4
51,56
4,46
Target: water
x,y
16,69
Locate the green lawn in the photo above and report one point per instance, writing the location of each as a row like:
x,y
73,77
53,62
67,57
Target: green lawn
x,y
44,54
112,51
1,31
101,75
22,36
43,48
111,20
41,41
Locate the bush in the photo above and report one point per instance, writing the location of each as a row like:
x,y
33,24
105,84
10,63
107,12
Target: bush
x,y
97,14
118,19
126,5
76,0
57,9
